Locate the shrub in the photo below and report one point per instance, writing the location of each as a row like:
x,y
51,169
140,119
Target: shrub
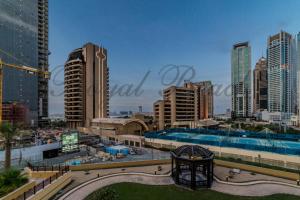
x,y
11,180
103,194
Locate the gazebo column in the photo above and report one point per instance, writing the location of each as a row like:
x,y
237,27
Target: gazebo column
x,y
208,174
193,175
204,168
177,171
172,166
212,171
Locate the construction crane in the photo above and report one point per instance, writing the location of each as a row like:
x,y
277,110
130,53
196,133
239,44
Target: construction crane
x,y
26,69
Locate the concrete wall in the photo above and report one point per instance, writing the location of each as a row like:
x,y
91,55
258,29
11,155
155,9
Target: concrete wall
x,y
119,165
53,188
39,174
20,191
45,193
260,170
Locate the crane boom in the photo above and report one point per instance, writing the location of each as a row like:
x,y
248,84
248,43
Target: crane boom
x,y
27,69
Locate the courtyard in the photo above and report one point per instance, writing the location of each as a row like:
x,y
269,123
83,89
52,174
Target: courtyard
x,y
140,182
134,191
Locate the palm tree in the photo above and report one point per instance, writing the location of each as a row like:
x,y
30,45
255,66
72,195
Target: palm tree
x,y
8,132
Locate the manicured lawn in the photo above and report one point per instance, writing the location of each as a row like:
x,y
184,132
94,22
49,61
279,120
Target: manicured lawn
x,y
132,191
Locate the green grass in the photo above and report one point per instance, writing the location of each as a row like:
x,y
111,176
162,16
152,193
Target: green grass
x,y
133,191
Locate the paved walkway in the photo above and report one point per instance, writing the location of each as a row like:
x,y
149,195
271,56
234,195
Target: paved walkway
x,y
246,176
255,188
80,192
80,177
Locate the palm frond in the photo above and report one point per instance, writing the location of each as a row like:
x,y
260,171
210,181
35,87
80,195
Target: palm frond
x,y
8,130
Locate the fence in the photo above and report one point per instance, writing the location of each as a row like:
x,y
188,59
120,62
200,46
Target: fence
x,y
231,133
63,168
238,142
60,170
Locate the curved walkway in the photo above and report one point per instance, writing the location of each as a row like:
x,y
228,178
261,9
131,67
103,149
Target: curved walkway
x,y
253,188
83,190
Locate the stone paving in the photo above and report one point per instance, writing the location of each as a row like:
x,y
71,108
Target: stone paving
x,y
80,177
255,190
245,176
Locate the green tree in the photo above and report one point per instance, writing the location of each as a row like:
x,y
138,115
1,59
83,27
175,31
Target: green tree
x,y
8,131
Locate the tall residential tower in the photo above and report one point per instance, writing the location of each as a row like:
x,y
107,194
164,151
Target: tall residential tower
x,y
296,72
279,73
204,98
260,86
184,106
24,41
86,86
241,80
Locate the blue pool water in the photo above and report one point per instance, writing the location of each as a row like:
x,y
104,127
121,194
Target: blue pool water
x,y
73,162
282,146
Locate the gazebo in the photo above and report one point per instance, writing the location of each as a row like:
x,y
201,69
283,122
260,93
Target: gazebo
x,y
192,166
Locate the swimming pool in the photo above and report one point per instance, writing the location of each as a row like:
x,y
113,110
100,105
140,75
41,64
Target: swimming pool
x,y
243,141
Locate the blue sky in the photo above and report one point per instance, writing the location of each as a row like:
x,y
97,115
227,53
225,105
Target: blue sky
x,y
144,36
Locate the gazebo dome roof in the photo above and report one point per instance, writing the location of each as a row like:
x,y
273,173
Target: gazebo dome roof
x,y
193,151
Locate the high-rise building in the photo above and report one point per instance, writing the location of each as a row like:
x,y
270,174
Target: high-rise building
x,y
43,64
24,41
296,74
182,106
279,73
260,86
205,98
178,105
241,80
86,86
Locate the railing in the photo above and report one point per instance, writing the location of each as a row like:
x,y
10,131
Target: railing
x,y
61,170
232,133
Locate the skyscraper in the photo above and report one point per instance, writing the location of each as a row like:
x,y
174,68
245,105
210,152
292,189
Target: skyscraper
x,y
43,64
24,41
178,105
185,105
86,85
296,73
241,80
279,73
204,98
260,86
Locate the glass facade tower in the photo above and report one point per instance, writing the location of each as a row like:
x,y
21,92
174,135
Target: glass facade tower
x,y
24,41
279,58
241,80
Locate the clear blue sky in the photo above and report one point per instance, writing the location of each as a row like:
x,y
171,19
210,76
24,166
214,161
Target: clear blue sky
x,y
143,36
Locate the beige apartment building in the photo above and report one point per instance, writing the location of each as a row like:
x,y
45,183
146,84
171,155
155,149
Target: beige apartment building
x,y
205,98
184,106
86,85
